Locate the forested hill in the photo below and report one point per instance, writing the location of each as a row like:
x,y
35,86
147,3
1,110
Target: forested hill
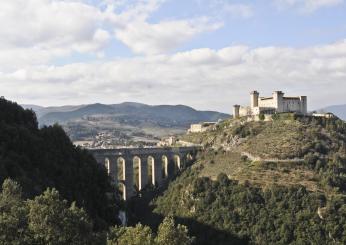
x,y
280,182
41,158
132,113
123,124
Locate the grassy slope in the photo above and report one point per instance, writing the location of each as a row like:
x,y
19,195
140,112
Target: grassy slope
x,y
266,201
266,141
257,173
274,140
281,139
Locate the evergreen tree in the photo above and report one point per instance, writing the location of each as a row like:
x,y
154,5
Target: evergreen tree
x,y
13,214
51,221
138,235
170,234
41,158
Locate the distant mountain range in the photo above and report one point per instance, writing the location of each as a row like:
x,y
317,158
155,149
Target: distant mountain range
x,y
123,123
175,114
338,110
134,113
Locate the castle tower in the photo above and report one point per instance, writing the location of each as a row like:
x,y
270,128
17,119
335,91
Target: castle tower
x,y
254,99
278,101
303,105
236,111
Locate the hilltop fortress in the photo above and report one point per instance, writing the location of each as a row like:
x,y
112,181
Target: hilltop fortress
x,y
267,106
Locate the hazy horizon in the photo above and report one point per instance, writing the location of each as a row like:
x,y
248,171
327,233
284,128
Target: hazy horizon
x,y
206,109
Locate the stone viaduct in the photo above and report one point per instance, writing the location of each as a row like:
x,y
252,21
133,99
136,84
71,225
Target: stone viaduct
x,y
131,168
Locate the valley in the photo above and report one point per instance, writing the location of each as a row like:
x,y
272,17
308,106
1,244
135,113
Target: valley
x,y
172,122
127,124
280,181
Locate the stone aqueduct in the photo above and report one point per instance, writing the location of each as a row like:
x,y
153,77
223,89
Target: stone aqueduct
x,y
155,165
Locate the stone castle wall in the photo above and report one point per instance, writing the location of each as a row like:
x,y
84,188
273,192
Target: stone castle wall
x,y
267,102
270,105
244,111
291,105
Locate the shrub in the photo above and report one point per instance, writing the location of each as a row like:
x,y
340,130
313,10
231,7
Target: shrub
x,y
244,158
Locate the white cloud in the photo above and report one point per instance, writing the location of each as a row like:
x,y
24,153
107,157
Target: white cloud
x,y
308,6
34,32
46,23
204,78
145,38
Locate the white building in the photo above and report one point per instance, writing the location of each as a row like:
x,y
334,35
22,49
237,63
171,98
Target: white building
x,y
277,103
200,127
168,141
325,115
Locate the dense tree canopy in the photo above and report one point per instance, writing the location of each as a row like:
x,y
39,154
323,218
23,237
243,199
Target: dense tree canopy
x,y
265,211
13,212
48,219
44,220
168,233
41,158
239,213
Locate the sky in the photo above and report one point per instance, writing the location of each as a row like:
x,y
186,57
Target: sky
x,y
208,54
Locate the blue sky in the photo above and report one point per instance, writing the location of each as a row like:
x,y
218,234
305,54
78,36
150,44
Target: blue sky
x,y
204,53
269,24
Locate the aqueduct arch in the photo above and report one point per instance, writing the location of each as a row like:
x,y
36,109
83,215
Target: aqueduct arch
x,y
151,170
122,190
134,168
107,165
177,163
121,163
165,166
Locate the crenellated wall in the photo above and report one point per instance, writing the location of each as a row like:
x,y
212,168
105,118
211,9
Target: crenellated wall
x,y
155,165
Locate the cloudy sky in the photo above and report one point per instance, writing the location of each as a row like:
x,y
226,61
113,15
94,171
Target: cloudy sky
x,y
204,53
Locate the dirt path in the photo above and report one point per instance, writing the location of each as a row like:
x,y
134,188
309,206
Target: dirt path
x,y
254,158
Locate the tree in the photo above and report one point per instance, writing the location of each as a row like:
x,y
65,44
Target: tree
x,y
51,221
138,235
44,220
170,234
13,212
45,157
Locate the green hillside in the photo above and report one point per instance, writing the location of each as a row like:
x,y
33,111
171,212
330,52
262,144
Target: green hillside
x,y
279,182
287,148
55,193
41,158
